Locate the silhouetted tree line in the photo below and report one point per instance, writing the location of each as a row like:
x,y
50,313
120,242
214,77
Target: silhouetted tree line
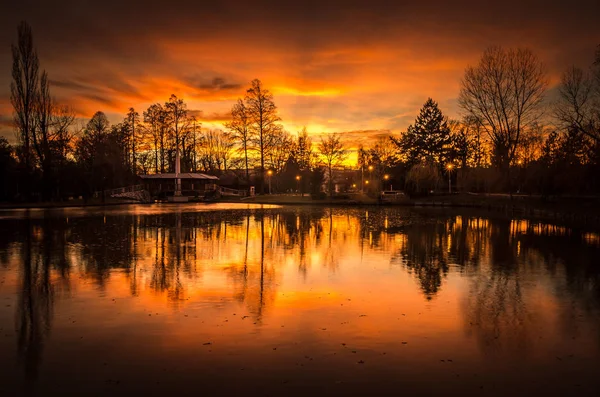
x,y
511,138
54,158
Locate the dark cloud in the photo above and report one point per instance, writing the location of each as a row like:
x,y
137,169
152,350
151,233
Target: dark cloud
x,y
99,99
215,117
6,121
342,65
216,84
70,85
354,139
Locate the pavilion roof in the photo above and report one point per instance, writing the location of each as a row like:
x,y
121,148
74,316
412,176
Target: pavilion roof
x,y
182,175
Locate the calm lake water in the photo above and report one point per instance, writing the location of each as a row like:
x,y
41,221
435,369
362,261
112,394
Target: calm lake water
x,y
246,300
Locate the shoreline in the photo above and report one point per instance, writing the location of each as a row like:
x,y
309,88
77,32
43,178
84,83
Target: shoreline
x,y
572,210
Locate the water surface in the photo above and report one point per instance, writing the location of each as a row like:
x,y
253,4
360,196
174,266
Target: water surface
x,y
266,300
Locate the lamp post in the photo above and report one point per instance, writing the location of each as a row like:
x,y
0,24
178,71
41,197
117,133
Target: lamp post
x,y
519,174
298,182
386,177
449,168
270,173
362,178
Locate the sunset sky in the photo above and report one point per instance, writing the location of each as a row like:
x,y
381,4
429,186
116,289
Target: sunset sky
x,y
360,68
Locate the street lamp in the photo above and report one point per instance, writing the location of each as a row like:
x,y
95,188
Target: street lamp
x,y
270,173
386,177
298,180
519,171
449,167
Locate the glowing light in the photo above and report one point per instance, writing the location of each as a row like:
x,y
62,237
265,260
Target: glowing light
x,y
300,92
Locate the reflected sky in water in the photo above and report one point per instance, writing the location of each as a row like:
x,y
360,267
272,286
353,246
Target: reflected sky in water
x,y
241,299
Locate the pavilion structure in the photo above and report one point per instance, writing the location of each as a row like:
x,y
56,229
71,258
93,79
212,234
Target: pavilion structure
x,y
179,187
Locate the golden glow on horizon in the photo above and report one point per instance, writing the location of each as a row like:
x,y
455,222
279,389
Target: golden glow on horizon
x,y
300,92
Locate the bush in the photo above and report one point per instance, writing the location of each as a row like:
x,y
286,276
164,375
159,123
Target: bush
x,y
422,178
341,197
318,195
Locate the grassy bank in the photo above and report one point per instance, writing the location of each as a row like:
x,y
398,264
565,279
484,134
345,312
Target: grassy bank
x,y
66,204
578,210
571,210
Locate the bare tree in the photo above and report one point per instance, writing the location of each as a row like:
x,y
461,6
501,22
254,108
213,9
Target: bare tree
x,y
24,87
215,149
195,129
41,130
224,149
155,118
333,153
303,152
239,126
133,120
577,106
62,135
383,154
278,149
478,144
531,144
264,121
176,110
504,93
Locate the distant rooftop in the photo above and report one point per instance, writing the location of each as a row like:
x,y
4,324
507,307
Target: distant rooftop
x,y
183,175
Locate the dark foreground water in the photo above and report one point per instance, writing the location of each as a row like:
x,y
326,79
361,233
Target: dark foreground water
x,y
241,301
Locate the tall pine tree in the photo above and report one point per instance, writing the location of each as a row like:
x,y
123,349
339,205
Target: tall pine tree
x,y
429,139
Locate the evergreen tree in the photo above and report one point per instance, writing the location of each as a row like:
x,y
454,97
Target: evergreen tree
x,y
429,138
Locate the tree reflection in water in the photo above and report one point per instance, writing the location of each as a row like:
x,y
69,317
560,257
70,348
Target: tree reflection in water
x,y
44,273
169,254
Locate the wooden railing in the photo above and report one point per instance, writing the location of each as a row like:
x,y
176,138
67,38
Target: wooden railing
x,y
127,189
231,192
